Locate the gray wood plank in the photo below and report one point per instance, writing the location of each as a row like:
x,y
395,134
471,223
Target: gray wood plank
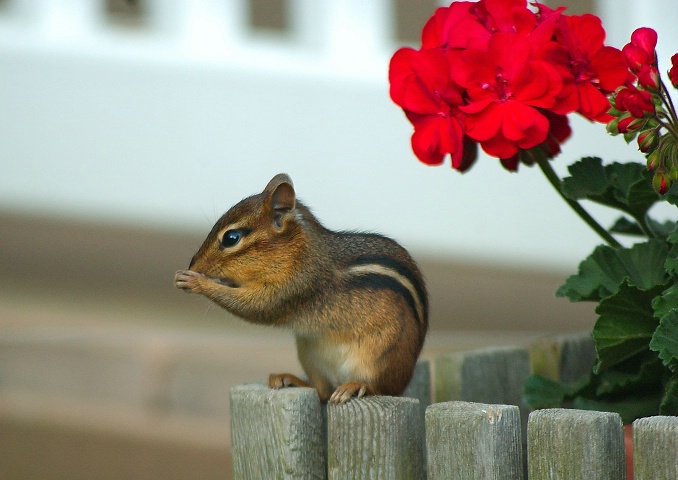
x,y
420,385
375,437
568,444
564,358
277,434
473,441
655,448
492,375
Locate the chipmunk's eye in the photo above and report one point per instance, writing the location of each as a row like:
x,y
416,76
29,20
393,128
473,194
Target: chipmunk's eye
x,y
231,238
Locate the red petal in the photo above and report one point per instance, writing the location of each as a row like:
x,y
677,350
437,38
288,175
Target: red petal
x,y
499,147
400,73
509,52
645,38
611,68
425,141
536,134
510,164
517,120
592,104
434,137
485,124
586,33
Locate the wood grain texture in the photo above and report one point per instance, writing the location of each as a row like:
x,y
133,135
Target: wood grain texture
x,y
568,444
492,375
375,438
473,441
277,434
655,448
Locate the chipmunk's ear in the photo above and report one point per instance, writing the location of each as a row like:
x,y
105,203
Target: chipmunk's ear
x,y
280,197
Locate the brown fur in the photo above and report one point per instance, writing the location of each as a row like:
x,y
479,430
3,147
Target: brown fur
x,y
356,302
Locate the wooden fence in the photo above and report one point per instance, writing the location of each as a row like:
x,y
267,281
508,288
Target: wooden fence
x,y
478,429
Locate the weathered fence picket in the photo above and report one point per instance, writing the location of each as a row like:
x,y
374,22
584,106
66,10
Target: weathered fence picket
x,y
420,385
568,444
491,375
375,438
564,358
655,448
473,441
277,433
288,434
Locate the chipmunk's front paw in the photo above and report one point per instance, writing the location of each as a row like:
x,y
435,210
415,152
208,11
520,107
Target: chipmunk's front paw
x,y
188,280
345,392
284,380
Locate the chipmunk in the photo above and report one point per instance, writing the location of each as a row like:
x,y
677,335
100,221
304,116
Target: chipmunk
x,y
356,302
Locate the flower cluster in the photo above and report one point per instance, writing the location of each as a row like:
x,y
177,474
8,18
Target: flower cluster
x,y
644,109
496,74
501,76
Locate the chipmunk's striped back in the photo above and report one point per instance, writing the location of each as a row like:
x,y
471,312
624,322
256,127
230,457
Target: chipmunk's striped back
x,y
390,274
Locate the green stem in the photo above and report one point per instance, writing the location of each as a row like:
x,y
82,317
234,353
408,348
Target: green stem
x,y
668,101
644,227
555,181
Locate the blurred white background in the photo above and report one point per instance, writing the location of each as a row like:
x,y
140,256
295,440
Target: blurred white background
x,y
128,128
166,112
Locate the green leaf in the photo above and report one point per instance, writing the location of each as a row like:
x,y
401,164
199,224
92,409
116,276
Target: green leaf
x,y
667,301
672,237
624,226
665,338
601,273
644,263
625,325
641,371
662,229
672,195
636,182
624,186
671,265
669,402
587,178
629,408
541,392
599,276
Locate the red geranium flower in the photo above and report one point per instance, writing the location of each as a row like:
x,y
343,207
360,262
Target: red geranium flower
x,y
421,85
591,70
559,131
504,86
445,21
640,50
465,24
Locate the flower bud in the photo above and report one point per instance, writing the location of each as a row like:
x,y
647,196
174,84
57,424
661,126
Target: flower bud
x,y
673,72
628,123
648,78
647,140
661,182
645,38
639,51
635,57
653,160
637,102
613,127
